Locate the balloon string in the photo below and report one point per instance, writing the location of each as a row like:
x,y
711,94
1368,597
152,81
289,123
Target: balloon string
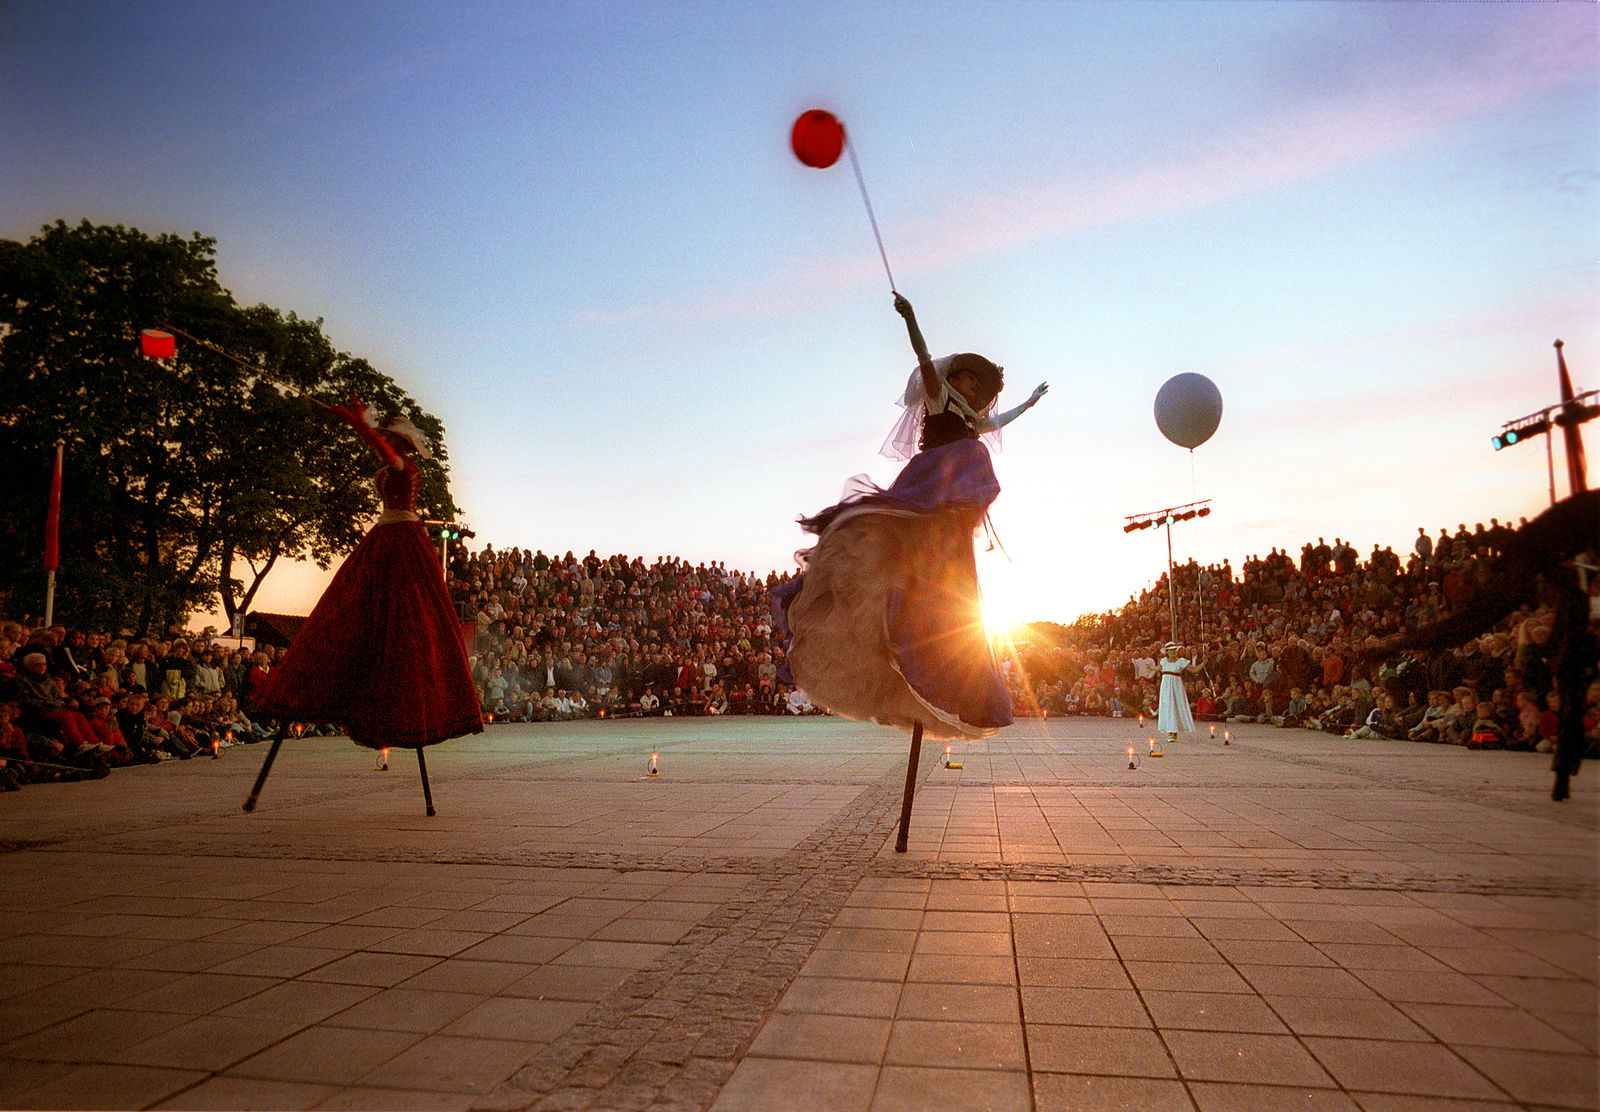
x,y
861,183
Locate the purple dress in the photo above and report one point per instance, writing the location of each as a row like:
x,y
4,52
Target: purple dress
x,y
884,624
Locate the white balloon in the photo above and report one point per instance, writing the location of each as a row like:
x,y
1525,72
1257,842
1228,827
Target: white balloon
x,y
1188,409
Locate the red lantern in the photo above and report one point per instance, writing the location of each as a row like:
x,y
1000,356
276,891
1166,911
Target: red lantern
x,y
157,345
817,138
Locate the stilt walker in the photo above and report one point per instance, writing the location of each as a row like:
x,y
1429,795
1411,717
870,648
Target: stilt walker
x,y
884,624
381,653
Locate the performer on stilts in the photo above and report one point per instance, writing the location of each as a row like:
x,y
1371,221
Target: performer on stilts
x,y
381,653
883,624
1173,715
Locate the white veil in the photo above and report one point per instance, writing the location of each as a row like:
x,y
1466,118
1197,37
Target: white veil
x,y
915,404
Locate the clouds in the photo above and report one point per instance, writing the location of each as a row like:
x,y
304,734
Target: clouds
x,y
1366,84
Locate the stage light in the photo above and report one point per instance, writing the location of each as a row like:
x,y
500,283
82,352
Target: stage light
x,y
1522,431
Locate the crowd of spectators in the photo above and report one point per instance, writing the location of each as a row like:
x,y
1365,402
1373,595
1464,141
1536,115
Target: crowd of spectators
x,y
1292,643
1281,641
563,637
74,705
549,639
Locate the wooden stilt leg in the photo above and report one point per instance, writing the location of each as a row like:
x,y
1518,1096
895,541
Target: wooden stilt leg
x,y
427,792
1572,621
911,787
266,767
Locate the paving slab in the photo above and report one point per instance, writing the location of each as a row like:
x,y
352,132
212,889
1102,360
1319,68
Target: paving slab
x,y
1290,921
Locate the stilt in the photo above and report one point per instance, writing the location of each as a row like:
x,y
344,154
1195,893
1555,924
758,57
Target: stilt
x,y
911,787
1577,646
427,792
266,767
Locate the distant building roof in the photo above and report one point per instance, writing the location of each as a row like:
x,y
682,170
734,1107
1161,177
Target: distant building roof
x,y
273,629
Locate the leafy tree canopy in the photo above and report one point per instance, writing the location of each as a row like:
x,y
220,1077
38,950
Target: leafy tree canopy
x,y
187,479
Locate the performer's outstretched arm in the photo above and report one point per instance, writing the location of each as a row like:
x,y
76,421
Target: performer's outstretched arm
x,y
930,377
1002,420
353,414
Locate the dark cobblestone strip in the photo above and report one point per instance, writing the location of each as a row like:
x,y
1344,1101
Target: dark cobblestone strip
x,y
1207,876
400,855
669,1038
1144,781
1215,876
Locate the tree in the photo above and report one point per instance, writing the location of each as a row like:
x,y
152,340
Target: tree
x,y
181,476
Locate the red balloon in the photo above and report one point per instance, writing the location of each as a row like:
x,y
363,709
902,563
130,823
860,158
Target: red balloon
x,y
817,138
157,345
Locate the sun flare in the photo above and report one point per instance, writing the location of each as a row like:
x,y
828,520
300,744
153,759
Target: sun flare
x,y
1001,616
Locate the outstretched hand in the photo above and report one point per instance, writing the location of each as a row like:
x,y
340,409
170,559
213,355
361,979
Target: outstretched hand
x,y
903,307
1039,391
352,412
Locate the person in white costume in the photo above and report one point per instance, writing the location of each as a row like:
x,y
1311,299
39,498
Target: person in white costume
x,y
1172,713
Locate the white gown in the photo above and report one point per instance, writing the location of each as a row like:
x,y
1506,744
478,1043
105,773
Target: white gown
x,y
1172,713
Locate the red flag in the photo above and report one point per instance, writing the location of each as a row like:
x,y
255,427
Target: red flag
x,y
52,518
1577,467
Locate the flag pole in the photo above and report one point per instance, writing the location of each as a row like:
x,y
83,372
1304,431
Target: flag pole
x,y
52,546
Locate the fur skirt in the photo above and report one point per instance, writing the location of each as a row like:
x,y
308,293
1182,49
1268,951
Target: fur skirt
x,y
884,623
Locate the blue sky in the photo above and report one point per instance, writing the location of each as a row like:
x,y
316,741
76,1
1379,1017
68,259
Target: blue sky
x,y
576,234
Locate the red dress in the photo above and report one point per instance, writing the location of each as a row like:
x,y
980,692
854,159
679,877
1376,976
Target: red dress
x,y
381,654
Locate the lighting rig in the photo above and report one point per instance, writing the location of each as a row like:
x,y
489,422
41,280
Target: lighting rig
x,y
1169,517
1572,411
448,533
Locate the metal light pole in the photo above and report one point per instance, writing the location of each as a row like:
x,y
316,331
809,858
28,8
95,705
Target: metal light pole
x,y
1570,412
448,531
1167,517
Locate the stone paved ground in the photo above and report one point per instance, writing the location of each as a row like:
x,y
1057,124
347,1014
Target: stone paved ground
x,y
1289,922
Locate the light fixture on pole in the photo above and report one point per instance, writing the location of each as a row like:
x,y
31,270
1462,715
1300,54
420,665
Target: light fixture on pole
x,y
1168,517
1568,414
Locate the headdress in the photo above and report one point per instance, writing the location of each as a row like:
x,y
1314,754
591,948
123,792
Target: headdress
x,y
990,377
1170,647
902,440
401,427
